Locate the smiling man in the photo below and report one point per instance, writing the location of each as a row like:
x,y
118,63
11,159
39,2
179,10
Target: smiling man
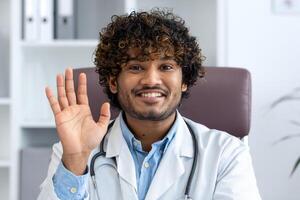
x,y
147,62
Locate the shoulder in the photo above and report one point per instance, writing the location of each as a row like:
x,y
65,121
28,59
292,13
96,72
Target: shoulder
x,y
215,140
220,149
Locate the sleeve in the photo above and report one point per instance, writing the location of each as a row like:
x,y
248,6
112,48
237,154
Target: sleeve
x,y
47,187
69,186
236,178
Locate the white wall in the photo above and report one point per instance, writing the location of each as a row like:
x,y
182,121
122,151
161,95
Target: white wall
x,y
200,18
268,44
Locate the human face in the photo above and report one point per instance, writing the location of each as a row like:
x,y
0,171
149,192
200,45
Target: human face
x,y
149,90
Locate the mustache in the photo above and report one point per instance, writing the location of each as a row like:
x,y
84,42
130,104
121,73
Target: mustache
x,y
145,88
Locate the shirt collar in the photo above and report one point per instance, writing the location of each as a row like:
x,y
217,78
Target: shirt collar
x,y
161,144
181,145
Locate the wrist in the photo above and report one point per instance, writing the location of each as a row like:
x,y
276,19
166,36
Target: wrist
x,y
76,163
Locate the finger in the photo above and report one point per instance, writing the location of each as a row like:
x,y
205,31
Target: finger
x,y
61,92
53,101
104,115
71,96
82,89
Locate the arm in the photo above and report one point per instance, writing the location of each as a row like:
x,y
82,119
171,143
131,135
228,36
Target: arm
x,y
79,134
64,180
69,186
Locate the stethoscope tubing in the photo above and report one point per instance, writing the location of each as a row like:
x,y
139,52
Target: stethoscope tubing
x,y
187,192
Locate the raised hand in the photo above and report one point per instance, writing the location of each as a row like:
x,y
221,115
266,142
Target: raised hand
x,y
77,131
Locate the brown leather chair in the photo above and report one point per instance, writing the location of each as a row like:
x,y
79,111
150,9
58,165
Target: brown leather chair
x,y
221,100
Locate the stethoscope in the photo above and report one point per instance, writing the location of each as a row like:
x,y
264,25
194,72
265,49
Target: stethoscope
x,y
101,153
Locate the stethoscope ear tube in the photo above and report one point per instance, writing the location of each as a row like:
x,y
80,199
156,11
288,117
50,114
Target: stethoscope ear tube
x,y
92,171
188,186
100,153
195,160
93,160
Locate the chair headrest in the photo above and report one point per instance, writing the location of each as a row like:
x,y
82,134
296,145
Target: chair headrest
x,y
221,100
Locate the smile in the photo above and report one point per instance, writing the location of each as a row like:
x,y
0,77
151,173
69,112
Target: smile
x,y
152,94
151,97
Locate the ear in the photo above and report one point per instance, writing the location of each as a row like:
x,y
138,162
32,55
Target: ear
x,y
113,86
183,87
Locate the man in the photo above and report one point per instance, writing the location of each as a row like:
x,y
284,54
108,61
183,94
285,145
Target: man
x,y
147,63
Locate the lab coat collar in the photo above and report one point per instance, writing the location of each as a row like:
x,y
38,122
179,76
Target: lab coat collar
x,y
117,147
172,167
181,146
184,140
184,143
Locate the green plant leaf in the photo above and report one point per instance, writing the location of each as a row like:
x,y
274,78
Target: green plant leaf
x,y
294,95
283,99
286,138
295,166
297,123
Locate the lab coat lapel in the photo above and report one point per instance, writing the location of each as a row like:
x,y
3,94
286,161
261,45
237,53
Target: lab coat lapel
x,y
117,147
172,167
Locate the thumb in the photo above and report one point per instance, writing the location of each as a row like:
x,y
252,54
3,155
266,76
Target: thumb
x,y
104,115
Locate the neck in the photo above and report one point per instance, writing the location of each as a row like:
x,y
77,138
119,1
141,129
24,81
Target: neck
x,y
148,131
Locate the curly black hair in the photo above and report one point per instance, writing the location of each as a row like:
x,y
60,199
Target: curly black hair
x,y
154,33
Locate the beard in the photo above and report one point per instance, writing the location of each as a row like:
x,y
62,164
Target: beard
x,y
129,108
150,115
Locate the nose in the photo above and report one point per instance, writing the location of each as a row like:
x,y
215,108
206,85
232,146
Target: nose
x,y
151,77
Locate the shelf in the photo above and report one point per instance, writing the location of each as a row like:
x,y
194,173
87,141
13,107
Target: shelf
x,y
61,43
38,125
4,101
4,163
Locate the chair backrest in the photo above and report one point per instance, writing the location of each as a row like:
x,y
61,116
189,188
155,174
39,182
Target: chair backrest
x,y
222,100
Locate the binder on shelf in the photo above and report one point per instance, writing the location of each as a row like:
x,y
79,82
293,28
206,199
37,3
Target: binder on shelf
x,y
31,20
46,20
65,19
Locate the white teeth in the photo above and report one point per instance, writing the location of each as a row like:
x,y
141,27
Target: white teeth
x,y
154,94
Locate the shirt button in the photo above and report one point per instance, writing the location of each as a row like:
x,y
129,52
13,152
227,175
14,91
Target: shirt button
x,y
73,190
146,165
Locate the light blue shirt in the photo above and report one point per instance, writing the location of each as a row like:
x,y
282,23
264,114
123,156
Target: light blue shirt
x,y
69,186
146,163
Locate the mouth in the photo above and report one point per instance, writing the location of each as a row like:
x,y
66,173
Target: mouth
x,y
151,94
151,97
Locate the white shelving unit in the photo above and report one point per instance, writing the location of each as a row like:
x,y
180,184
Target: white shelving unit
x,y
34,65
4,163
5,100
61,43
4,183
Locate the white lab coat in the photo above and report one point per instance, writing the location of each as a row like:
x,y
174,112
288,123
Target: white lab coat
x,y
224,170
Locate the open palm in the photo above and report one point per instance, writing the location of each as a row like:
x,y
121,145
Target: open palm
x,y
77,130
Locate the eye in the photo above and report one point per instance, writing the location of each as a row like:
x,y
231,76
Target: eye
x,y
166,67
135,68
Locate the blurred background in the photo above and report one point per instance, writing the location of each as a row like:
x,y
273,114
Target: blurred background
x,y
40,38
